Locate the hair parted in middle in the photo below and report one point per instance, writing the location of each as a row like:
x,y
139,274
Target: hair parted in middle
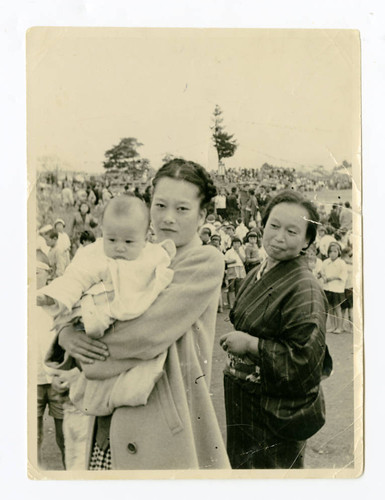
x,y
189,171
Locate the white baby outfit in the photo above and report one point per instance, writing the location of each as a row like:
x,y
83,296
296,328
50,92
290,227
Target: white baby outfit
x,y
100,290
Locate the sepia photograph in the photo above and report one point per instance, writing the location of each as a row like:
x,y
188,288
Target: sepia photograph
x,y
219,170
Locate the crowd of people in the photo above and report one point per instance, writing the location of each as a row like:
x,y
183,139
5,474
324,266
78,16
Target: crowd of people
x,y
210,243
278,178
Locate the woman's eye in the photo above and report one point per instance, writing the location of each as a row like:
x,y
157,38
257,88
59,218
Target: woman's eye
x,y
274,226
292,232
128,241
182,209
112,240
159,205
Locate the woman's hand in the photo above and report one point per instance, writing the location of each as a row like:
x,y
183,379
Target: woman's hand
x,y
82,347
239,343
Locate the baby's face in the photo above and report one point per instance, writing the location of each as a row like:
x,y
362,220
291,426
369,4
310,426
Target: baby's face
x,y
123,237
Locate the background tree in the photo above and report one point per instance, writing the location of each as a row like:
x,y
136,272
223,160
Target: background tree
x,y
124,155
224,143
169,156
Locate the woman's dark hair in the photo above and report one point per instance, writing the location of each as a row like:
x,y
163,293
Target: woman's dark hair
x,y
188,171
295,199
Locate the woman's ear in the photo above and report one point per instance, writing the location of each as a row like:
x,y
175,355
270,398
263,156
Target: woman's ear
x,y
202,216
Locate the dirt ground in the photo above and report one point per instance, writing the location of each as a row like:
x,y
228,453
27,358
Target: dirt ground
x,y
331,447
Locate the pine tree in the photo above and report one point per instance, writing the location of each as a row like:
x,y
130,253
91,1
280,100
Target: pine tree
x,y
224,143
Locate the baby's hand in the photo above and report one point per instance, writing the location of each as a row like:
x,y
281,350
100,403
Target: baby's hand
x,y
44,300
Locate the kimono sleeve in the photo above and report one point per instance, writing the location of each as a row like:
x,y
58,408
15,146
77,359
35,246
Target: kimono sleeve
x,y
292,364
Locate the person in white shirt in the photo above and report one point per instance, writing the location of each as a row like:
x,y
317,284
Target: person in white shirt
x,y
235,269
347,304
241,230
63,239
334,275
220,204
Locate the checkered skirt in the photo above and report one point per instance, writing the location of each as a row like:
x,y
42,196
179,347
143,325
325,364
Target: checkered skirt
x,y
100,459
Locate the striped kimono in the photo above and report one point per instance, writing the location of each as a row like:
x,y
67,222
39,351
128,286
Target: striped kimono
x,y
279,403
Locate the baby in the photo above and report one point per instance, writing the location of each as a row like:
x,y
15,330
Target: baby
x,y
117,277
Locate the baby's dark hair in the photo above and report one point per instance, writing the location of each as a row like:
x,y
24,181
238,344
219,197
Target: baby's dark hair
x,y
295,198
125,204
192,172
87,236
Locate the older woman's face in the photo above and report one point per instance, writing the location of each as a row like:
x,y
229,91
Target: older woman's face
x,y
285,233
175,211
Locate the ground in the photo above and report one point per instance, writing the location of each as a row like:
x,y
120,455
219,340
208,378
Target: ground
x,y
331,447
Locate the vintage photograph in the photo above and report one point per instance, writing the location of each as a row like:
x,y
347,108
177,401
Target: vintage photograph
x,y
195,253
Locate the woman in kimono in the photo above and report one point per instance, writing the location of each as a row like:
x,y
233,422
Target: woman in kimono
x,y
177,428
273,398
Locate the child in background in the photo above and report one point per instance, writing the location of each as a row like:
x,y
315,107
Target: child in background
x,y
315,264
47,396
117,277
58,257
252,252
215,241
235,270
323,240
347,304
334,275
63,240
205,235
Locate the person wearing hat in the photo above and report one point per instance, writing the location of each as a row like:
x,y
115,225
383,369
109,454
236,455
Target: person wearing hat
x,y
210,223
57,256
205,235
215,241
63,240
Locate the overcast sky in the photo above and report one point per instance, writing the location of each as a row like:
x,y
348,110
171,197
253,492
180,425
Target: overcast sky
x,y
290,98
